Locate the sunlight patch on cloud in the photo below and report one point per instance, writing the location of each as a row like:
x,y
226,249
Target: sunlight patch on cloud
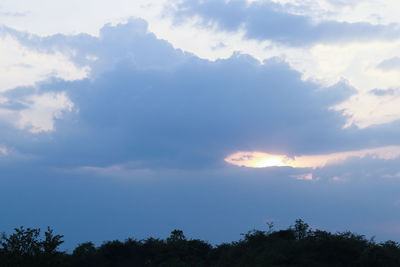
x,y
258,160
262,160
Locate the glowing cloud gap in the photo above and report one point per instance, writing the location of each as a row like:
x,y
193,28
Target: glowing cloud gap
x,y
262,160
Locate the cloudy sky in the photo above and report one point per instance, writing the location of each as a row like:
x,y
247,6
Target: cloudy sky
x,y
132,118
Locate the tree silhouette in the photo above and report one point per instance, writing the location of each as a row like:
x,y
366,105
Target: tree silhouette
x,y
176,236
298,245
51,242
300,229
26,248
23,243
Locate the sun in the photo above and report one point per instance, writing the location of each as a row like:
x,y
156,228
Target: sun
x,y
258,160
254,159
268,162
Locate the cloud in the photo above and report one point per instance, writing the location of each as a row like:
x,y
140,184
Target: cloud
x,y
270,21
320,40
305,176
23,66
66,19
12,14
354,64
317,50
36,112
145,100
381,92
4,150
373,11
43,110
390,64
150,103
263,160
381,109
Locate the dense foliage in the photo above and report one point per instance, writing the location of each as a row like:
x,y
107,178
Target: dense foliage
x,y
296,246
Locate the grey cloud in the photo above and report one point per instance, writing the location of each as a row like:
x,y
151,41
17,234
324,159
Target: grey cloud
x,y
390,64
131,42
270,21
149,103
383,92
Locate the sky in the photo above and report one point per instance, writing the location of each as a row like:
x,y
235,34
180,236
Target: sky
x,y
133,118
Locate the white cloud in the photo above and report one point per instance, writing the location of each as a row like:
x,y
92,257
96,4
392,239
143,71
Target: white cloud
x,y
371,11
47,17
358,64
41,112
366,109
21,66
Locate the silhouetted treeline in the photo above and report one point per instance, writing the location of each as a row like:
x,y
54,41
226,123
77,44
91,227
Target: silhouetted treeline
x,y
297,245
